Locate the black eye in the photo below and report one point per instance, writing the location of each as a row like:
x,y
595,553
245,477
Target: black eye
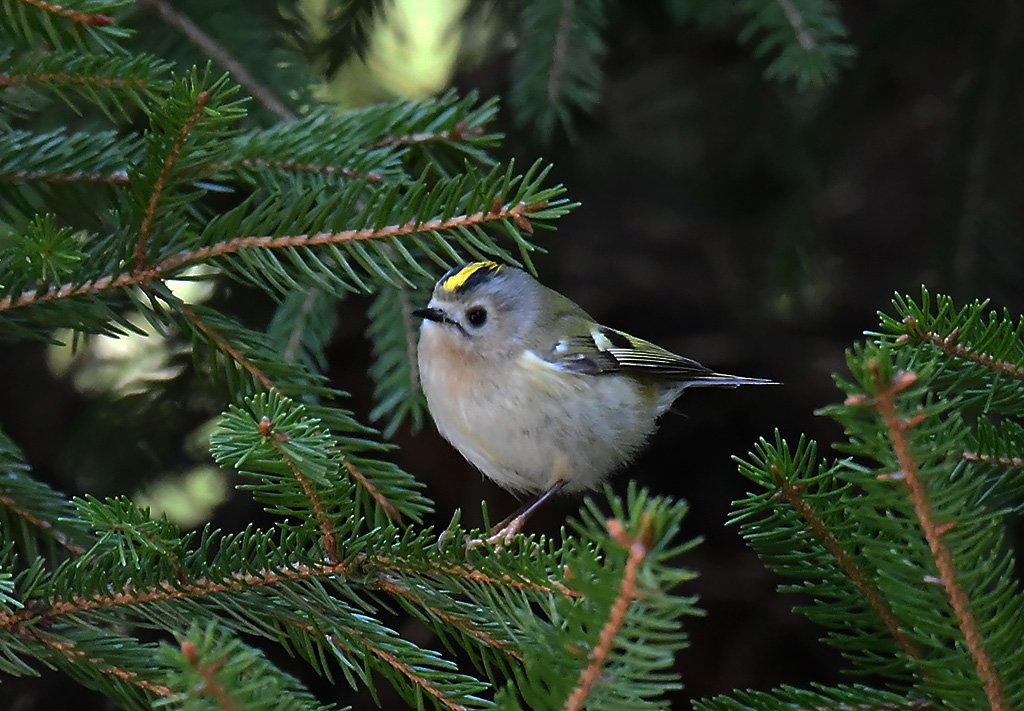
x,y
477,316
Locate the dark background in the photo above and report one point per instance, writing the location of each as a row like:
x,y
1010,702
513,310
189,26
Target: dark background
x,y
726,218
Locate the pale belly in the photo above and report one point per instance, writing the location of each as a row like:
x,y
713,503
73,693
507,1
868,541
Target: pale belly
x,y
542,425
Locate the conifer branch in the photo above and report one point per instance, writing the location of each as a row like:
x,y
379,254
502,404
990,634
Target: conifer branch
x,y
162,268
394,587
1017,462
70,651
208,672
117,177
468,573
7,80
459,133
216,51
365,566
274,439
165,172
79,18
291,166
45,526
885,403
792,495
381,500
165,590
950,345
396,663
222,344
638,547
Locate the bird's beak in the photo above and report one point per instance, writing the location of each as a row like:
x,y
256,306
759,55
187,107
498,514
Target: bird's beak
x,y
430,314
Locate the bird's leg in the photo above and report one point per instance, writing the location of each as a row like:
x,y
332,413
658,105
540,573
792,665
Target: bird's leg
x,y
504,531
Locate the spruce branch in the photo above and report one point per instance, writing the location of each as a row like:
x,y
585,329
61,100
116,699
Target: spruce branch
x,y
208,673
804,38
637,546
277,442
221,343
112,84
33,517
85,18
884,400
818,698
73,24
366,484
210,665
950,345
1016,462
556,67
84,658
170,158
62,157
975,351
392,330
178,20
467,226
792,495
412,600
457,134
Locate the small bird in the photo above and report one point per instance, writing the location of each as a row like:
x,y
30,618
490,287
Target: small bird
x,y
533,391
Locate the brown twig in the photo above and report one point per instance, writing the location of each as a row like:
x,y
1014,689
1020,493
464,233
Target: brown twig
x,y
117,177
367,567
42,524
218,53
382,501
950,345
434,568
79,18
402,668
165,172
7,80
992,459
158,270
885,403
222,343
394,587
266,428
456,134
208,672
275,439
165,590
75,655
637,548
792,495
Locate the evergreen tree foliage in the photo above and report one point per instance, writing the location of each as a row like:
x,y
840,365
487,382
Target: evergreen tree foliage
x,y
125,173
168,177
901,547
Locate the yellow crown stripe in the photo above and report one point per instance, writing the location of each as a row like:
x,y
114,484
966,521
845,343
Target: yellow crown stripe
x,y
460,277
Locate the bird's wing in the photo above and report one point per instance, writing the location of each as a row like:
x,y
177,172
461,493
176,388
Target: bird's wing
x,y
606,350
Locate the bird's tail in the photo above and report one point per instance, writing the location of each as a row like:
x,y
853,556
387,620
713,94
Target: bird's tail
x,y
721,380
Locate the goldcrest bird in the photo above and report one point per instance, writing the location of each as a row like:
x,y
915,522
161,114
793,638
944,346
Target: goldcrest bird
x,y
533,391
